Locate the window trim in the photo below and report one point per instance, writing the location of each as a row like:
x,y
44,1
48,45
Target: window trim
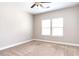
x,y
49,27
53,27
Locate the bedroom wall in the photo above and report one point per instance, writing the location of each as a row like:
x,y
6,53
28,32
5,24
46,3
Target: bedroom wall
x,y
71,22
15,24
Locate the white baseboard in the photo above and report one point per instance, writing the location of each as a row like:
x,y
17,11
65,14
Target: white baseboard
x,y
19,43
63,43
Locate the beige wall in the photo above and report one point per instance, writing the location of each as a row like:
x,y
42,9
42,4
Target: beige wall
x,y
71,25
15,25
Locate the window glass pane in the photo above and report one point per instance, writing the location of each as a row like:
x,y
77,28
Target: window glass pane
x,y
45,27
46,31
57,31
57,22
46,23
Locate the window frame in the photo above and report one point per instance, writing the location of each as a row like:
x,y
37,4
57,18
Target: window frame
x,y
51,33
49,27
57,27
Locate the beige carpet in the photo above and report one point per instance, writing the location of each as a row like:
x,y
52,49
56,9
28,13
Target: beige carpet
x,y
39,48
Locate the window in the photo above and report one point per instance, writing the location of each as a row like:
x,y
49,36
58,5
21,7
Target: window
x,y
52,27
57,27
46,27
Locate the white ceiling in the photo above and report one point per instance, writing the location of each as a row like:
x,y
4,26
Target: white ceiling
x,y
53,6
26,6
